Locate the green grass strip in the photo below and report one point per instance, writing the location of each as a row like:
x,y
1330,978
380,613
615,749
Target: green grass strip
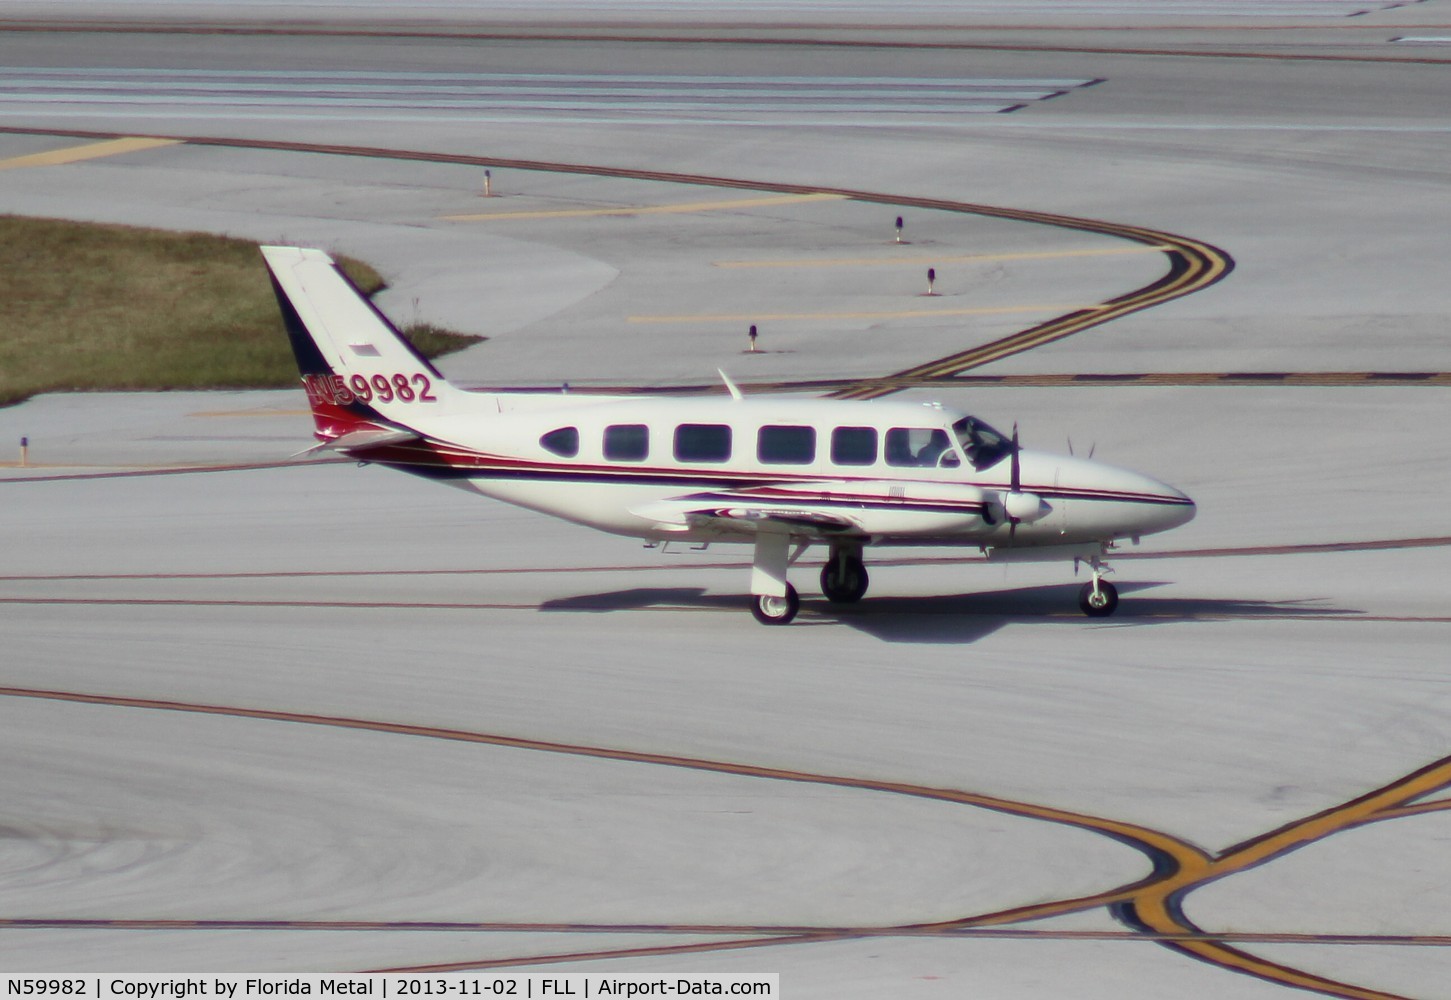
x,y
100,307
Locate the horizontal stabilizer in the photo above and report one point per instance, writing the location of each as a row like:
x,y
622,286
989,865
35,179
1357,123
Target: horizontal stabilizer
x,y
358,442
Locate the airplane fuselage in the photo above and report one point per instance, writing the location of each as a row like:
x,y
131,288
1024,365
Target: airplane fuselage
x,y
710,469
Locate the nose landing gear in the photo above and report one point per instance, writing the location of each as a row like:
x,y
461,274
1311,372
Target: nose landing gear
x,y
1098,598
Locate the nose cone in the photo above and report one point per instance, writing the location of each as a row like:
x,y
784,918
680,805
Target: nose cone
x,y
1171,507
1119,501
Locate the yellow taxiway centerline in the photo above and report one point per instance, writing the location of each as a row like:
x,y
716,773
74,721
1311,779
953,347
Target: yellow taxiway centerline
x,y
90,151
893,314
938,259
684,208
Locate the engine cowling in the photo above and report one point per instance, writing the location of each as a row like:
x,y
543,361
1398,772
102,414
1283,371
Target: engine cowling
x,y
1024,508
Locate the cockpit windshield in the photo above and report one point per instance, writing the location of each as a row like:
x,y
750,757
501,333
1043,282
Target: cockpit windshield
x,y
983,446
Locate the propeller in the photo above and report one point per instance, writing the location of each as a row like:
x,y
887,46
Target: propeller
x,y
1015,482
1015,464
1019,507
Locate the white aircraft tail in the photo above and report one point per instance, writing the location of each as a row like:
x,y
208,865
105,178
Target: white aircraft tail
x,y
360,373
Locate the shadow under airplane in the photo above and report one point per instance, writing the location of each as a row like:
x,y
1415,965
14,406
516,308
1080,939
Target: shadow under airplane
x,y
959,619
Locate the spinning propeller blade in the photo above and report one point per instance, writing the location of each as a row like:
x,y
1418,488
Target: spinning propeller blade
x,y
1015,480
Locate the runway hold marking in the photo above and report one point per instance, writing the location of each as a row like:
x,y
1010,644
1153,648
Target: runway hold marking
x,y
685,208
893,314
918,259
1152,904
90,151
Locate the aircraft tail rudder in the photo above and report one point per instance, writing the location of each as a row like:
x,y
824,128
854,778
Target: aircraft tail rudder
x,y
360,373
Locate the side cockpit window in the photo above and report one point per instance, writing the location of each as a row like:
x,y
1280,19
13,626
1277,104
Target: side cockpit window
x,y
983,446
563,442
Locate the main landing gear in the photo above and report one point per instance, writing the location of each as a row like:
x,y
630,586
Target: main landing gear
x,y
775,602
1098,598
844,581
844,577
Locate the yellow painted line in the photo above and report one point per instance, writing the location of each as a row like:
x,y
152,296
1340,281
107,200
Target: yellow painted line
x,y
895,314
939,259
680,209
1156,907
90,151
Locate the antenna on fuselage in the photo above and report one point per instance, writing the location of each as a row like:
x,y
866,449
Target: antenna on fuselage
x,y
734,389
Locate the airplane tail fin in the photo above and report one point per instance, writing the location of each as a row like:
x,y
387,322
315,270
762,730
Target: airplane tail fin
x,y
360,373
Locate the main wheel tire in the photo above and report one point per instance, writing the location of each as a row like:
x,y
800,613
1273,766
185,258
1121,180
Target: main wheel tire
x,y
776,610
844,581
1101,604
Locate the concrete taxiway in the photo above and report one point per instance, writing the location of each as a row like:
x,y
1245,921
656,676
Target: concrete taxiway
x,y
320,717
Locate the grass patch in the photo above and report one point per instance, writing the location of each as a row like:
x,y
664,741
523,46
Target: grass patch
x,y
91,307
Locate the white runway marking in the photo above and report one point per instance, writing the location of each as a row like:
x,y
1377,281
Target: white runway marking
x,y
529,97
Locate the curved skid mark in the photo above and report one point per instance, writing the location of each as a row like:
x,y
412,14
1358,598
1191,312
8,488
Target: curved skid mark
x,y
1167,854
1152,906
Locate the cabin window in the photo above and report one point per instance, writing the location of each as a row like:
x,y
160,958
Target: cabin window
x,y
563,442
919,447
854,445
781,445
627,442
703,443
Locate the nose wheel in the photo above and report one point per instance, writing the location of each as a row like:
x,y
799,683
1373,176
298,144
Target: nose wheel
x,y
1098,598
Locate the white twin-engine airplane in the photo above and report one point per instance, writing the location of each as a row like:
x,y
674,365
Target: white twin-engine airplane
x,y
778,474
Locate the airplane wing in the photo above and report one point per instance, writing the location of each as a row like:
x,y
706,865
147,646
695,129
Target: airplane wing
x,y
797,522
826,510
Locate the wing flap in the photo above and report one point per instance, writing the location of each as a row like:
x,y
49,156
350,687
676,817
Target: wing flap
x,y
686,514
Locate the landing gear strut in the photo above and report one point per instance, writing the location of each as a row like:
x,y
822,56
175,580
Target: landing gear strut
x,y
844,577
1099,598
773,600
